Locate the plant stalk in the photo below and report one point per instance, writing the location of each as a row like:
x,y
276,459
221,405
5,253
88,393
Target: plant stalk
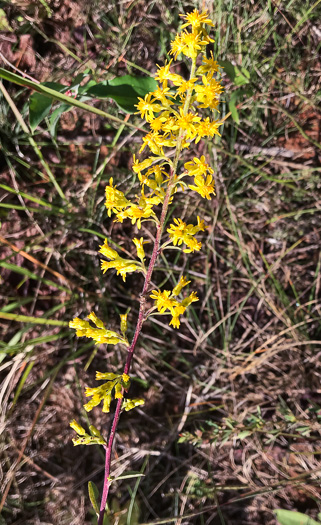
x,y
142,305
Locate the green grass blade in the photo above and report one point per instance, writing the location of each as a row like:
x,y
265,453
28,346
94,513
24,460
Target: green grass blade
x,y
34,320
55,95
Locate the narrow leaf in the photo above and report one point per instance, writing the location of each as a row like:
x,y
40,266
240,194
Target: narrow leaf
x,y
232,107
21,383
55,117
93,495
130,474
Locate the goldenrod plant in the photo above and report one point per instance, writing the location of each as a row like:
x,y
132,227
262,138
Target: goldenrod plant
x,y
174,113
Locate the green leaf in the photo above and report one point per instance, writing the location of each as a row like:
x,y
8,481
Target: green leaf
x,y
242,76
124,90
232,106
235,97
55,117
245,72
93,495
130,474
290,517
228,67
239,76
39,105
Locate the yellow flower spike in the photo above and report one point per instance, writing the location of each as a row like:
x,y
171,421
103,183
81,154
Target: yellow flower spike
x,y
78,428
139,246
173,114
123,323
180,285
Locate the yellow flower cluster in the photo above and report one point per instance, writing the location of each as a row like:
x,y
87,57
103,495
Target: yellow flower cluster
x,y
166,301
171,111
129,404
165,111
116,383
122,266
180,232
99,334
94,438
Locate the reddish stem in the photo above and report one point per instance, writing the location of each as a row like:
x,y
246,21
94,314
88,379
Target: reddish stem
x,y
131,349
141,314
